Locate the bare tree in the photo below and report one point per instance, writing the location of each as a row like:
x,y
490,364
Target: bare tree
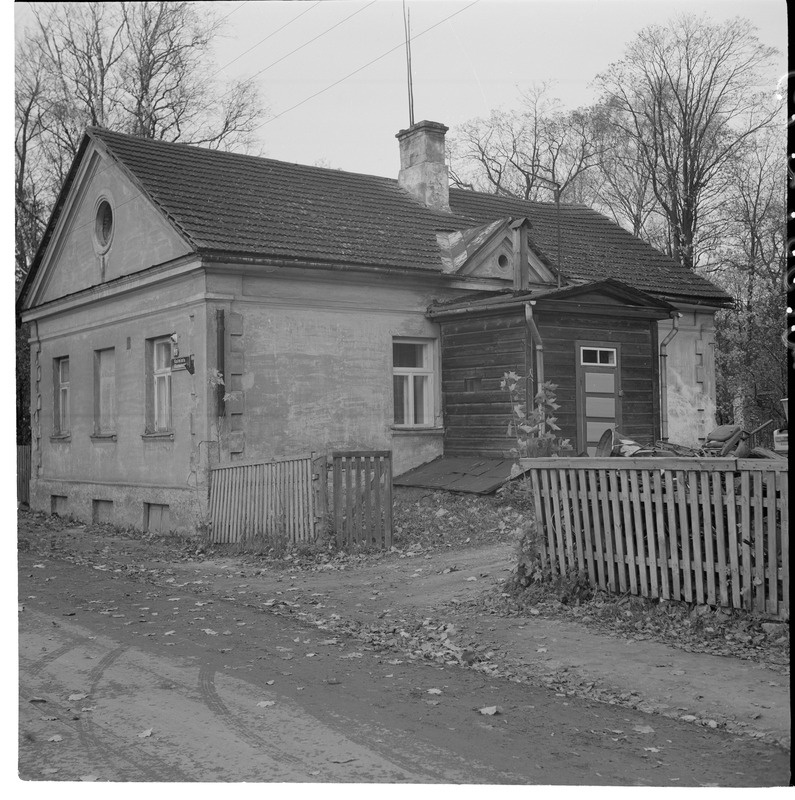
x,y
141,68
29,108
167,87
687,95
752,361
515,153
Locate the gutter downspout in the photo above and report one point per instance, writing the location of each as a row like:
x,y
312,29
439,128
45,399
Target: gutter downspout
x,y
35,408
539,344
675,315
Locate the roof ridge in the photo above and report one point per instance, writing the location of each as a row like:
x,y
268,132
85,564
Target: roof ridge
x,y
101,133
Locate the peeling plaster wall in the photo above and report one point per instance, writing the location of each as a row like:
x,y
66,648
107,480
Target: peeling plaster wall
x,y
131,470
690,373
314,354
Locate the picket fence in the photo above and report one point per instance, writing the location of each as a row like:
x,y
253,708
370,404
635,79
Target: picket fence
x,y
289,501
266,501
709,531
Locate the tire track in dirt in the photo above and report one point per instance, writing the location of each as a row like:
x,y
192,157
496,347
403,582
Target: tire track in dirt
x,y
36,668
213,701
94,738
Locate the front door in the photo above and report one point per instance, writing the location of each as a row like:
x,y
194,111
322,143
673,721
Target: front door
x,y
598,392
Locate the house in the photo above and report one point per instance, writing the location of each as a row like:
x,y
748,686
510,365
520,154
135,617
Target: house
x,y
342,311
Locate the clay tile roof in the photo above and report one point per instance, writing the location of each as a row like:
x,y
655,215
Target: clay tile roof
x,y
246,205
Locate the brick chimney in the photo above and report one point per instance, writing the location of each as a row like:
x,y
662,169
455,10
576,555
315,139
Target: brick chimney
x,y
422,168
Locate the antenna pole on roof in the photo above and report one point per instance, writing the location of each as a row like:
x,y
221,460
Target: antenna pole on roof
x,y
557,203
407,28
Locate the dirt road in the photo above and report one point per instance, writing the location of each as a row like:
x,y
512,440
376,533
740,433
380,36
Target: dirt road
x,y
122,680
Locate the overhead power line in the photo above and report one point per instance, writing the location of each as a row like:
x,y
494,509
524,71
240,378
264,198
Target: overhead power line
x,y
364,66
273,33
233,11
313,39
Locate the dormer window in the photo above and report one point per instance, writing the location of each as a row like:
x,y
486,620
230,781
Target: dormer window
x,y
103,226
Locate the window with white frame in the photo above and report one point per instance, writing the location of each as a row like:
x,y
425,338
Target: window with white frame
x,y
105,391
412,381
599,356
159,385
61,395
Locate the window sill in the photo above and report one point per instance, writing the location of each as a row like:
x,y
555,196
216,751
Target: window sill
x,y
402,431
103,437
61,437
160,436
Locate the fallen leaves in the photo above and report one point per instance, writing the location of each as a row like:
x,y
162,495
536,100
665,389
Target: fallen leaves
x,y
145,734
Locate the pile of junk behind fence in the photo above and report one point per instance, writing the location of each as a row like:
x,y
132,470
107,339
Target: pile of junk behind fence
x,y
726,441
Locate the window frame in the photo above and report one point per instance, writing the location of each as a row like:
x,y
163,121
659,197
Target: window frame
x,y
428,371
61,396
99,429
599,351
154,425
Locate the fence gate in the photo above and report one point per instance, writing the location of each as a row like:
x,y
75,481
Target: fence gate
x,y
362,498
273,501
23,474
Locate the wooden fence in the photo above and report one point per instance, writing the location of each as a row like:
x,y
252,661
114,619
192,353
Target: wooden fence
x,y
711,530
362,498
268,501
23,474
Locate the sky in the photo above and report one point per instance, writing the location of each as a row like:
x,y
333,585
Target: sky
x,y
475,56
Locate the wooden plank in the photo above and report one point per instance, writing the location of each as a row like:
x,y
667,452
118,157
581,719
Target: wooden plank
x,y
599,552
648,513
388,500
756,530
378,528
587,530
564,505
709,538
368,500
749,593
575,507
628,539
662,540
696,530
538,516
733,535
775,539
607,528
336,471
703,464
556,520
640,547
544,521
783,505
349,520
673,536
720,538
684,529
616,530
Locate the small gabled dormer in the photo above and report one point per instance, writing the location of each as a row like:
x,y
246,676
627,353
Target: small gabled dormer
x,y
501,250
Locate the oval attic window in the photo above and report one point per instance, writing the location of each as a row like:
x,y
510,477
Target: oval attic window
x,y
502,261
104,225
